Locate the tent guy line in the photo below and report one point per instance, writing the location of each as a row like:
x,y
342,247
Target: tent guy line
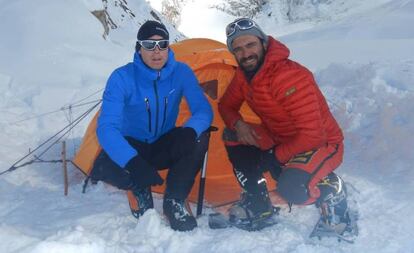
x,y
68,128
65,108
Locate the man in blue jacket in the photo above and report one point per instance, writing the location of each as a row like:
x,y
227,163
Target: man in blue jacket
x,y
136,127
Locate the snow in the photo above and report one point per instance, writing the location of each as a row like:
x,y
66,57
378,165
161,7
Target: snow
x,y
53,54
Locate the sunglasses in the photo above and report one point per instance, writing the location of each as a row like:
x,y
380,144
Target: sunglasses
x,y
241,24
151,44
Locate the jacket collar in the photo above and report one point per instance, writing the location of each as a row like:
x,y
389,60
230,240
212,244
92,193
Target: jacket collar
x,y
145,72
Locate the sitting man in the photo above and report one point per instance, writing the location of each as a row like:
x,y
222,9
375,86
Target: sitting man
x,y
136,127
298,140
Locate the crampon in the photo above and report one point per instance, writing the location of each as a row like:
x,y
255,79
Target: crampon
x,y
345,231
219,221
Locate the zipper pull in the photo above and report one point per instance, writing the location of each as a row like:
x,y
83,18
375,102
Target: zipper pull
x,y
147,105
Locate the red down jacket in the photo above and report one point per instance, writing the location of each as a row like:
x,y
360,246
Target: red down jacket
x,y
289,103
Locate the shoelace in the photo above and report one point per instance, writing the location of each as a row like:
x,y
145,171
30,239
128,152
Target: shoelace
x,y
180,212
143,198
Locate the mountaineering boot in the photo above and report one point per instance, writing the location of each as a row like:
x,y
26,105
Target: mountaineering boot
x,y
178,216
144,199
336,218
254,211
332,202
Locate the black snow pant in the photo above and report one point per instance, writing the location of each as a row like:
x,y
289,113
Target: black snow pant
x,y
249,164
183,168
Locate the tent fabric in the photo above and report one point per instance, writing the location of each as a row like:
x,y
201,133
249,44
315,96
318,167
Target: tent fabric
x,y
214,67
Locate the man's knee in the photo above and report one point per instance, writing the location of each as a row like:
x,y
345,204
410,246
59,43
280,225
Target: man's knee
x,y
244,157
293,185
202,143
188,165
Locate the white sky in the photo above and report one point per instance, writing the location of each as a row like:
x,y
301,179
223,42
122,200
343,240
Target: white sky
x,y
198,20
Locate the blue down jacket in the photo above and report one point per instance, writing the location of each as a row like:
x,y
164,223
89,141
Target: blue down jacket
x,y
143,103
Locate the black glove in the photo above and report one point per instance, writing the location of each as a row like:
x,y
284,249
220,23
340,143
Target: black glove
x,y
142,173
269,161
184,141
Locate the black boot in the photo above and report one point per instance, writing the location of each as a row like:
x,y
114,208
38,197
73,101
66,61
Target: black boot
x,y
254,211
178,216
333,203
336,219
144,199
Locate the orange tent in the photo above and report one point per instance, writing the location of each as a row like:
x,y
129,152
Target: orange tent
x,y
214,67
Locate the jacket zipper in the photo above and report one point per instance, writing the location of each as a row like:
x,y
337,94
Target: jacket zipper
x,y
165,112
156,103
147,105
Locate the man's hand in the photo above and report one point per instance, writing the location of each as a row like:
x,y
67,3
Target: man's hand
x,y
142,173
246,133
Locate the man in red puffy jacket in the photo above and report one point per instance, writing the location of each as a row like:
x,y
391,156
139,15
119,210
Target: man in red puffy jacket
x,y
298,140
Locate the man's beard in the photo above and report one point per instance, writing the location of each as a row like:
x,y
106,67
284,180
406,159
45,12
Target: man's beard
x,y
252,69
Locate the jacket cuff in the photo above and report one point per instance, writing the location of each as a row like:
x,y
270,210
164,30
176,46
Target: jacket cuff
x,y
128,155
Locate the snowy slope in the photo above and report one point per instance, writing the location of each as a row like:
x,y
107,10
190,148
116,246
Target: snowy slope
x,y
363,62
360,37
53,54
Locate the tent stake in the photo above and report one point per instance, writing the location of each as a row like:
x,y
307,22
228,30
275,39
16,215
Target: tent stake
x,y
65,168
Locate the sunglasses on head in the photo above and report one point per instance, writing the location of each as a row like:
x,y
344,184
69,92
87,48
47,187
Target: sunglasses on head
x,y
151,44
241,24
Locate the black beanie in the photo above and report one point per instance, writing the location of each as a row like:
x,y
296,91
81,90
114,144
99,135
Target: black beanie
x,y
151,28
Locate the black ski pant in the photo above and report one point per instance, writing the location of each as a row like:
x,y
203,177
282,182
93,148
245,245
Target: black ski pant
x,y
249,164
183,168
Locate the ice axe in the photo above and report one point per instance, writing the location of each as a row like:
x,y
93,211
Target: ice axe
x,y
202,184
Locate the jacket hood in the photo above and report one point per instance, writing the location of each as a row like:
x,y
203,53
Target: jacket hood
x,y
276,51
146,72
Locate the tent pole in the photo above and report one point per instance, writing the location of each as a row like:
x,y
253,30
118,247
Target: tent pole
x,y
65,168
